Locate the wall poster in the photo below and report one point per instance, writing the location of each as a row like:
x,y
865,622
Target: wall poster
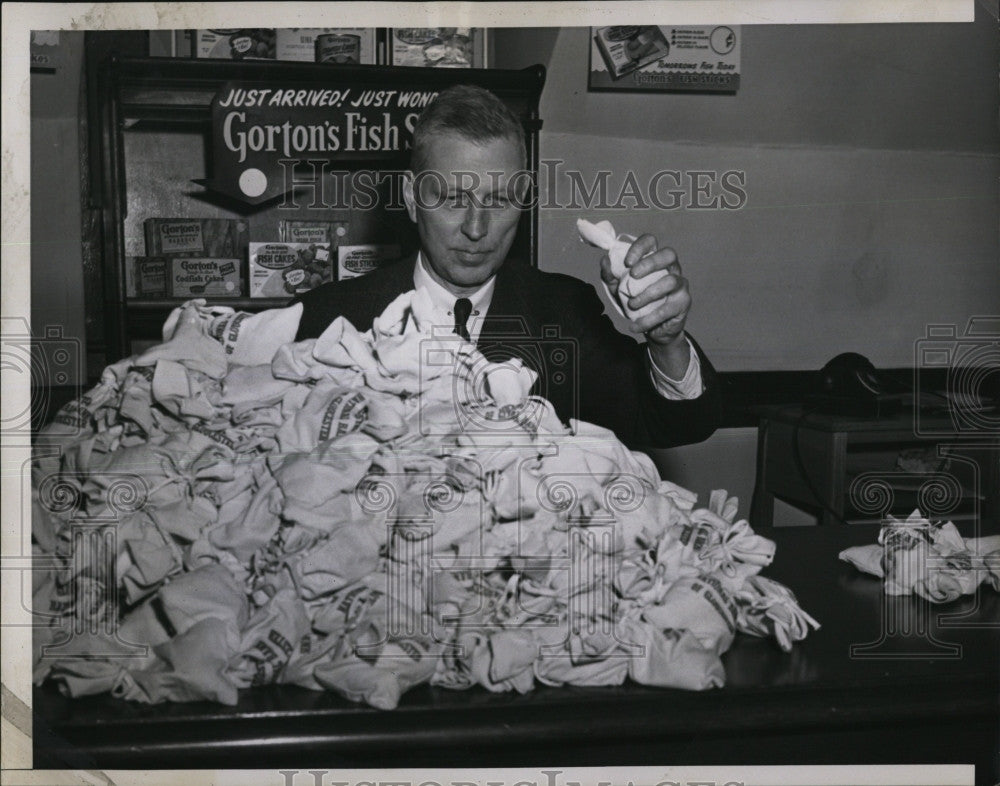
x,y
701,58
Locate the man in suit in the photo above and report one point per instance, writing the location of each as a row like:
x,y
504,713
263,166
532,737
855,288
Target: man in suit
x,y
464,191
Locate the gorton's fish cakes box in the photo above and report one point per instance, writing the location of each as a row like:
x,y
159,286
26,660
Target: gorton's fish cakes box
x,y
285,269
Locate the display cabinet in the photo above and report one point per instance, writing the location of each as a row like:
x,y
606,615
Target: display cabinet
x,y
160,138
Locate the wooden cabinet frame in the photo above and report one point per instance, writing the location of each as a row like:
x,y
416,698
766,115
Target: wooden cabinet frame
x,y
172,91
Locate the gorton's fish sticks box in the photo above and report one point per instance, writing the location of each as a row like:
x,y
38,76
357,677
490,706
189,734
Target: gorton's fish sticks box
x,y
354,261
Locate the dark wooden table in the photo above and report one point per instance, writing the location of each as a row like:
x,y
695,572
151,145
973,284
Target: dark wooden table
x,y
885,680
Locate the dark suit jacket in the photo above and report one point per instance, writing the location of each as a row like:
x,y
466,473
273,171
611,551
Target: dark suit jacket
x,y
557,325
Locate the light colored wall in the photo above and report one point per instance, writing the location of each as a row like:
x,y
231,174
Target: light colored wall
x,y
836,250
884,86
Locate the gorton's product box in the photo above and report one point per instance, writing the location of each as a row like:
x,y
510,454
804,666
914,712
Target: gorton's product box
x,y
204,277
437,47
150,276
285,269
354,261
196,237
299,43
292,230
248,43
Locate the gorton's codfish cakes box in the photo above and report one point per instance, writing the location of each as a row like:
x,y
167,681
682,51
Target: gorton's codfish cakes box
x,y
204,277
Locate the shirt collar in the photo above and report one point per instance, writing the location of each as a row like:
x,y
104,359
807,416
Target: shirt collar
x,y
445,300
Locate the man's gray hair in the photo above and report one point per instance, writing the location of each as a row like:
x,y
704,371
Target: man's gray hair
x,y
470,112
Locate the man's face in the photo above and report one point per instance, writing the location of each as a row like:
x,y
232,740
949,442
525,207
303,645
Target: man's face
x,y
465,208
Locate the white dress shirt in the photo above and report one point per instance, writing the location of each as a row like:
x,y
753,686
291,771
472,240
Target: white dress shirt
x,y
444,303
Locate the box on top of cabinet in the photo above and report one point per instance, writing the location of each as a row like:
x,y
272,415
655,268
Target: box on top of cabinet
x,y
354,45
247,43
438,47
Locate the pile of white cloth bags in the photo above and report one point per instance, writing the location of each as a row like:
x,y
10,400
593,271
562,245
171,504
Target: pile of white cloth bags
x,y
365,512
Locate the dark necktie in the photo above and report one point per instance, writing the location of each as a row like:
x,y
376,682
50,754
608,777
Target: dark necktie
x,y
463,308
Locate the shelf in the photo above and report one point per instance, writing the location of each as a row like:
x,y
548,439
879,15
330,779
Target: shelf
x,y
142,116
238,303
146,316
137,75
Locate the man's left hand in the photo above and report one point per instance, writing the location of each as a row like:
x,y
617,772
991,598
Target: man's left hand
x,y
664,324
